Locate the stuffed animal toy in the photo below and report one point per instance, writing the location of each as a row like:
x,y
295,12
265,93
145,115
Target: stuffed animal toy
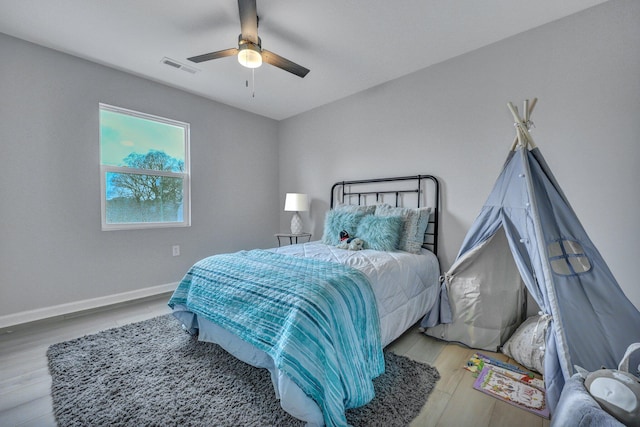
x,y
617,392
350,243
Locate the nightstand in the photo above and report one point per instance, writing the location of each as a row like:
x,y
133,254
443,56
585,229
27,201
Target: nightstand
x,y
292,236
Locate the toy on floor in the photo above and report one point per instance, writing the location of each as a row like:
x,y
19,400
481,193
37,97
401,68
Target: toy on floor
x,y
617,392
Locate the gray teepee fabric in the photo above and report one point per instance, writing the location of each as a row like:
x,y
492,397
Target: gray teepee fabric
x,y
528,219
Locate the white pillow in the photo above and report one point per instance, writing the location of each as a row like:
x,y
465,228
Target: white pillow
x,y
527,344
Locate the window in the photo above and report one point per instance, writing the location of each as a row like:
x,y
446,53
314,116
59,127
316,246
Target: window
x,y
567,258
144,170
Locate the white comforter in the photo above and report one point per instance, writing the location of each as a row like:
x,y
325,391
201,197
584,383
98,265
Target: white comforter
x,y
405,285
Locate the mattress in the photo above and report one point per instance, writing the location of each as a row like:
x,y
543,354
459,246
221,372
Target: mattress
x,y
405,287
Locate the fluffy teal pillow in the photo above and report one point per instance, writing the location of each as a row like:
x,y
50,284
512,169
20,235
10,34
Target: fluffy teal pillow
x,y
381,233
337,220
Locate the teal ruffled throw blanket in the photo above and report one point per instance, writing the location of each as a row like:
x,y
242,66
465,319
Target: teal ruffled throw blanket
x,y
318,320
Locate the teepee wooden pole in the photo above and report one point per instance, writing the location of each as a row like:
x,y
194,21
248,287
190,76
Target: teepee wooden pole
x,y
531,106
528,120
522,124
516,117
514,112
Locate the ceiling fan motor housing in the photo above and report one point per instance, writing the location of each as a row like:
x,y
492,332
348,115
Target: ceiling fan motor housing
x,y
249,53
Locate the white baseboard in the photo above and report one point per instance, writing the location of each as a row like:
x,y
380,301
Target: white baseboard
x,y
76,306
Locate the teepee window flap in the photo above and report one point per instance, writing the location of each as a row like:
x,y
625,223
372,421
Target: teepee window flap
x,y
567,258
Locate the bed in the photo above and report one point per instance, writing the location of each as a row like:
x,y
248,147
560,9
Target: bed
x,y
317,316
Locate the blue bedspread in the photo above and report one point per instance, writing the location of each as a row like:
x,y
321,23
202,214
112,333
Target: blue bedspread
x,y
318,320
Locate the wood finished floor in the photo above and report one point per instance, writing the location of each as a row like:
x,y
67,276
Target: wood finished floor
x,y
25,398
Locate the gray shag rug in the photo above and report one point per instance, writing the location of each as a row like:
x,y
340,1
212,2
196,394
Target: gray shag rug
x,y
152,373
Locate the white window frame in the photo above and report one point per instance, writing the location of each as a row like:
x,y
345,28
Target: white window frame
x,y
185,176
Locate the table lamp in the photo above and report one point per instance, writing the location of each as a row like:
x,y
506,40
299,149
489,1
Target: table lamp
x,y
296,202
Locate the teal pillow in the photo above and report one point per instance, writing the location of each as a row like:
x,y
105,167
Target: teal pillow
x,y
337,220
381,233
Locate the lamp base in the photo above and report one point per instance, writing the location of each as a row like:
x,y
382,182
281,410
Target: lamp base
x,y
296,223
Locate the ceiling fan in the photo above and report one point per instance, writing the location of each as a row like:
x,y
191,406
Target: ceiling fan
x,y
249,50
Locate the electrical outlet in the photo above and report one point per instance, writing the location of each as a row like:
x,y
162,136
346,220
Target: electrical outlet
x,y
176,250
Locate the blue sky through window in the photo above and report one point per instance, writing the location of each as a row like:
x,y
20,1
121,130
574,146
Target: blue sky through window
x,y
122,134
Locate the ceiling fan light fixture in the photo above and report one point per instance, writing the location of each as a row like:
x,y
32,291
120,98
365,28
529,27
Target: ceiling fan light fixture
x,y
249,55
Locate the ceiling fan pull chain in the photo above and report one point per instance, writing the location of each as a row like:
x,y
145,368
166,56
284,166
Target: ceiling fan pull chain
x,y
253,82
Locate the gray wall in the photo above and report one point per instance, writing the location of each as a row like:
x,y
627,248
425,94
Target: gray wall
x,y
52,250
451,120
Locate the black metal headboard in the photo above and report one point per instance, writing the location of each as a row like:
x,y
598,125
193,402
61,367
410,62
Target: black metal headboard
x,y
404,191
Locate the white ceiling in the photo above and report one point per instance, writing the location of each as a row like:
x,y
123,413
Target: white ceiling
x,y
349,45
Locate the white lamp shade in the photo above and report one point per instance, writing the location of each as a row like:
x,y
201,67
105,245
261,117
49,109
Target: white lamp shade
x,y
296,202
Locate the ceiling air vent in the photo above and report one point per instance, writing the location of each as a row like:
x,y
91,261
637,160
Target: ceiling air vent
x,y
175,64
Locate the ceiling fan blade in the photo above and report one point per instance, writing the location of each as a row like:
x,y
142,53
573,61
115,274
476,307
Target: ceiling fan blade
x,y
283,63
214,55
248,20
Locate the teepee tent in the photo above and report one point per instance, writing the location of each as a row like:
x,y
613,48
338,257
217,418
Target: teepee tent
x,y
527,233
